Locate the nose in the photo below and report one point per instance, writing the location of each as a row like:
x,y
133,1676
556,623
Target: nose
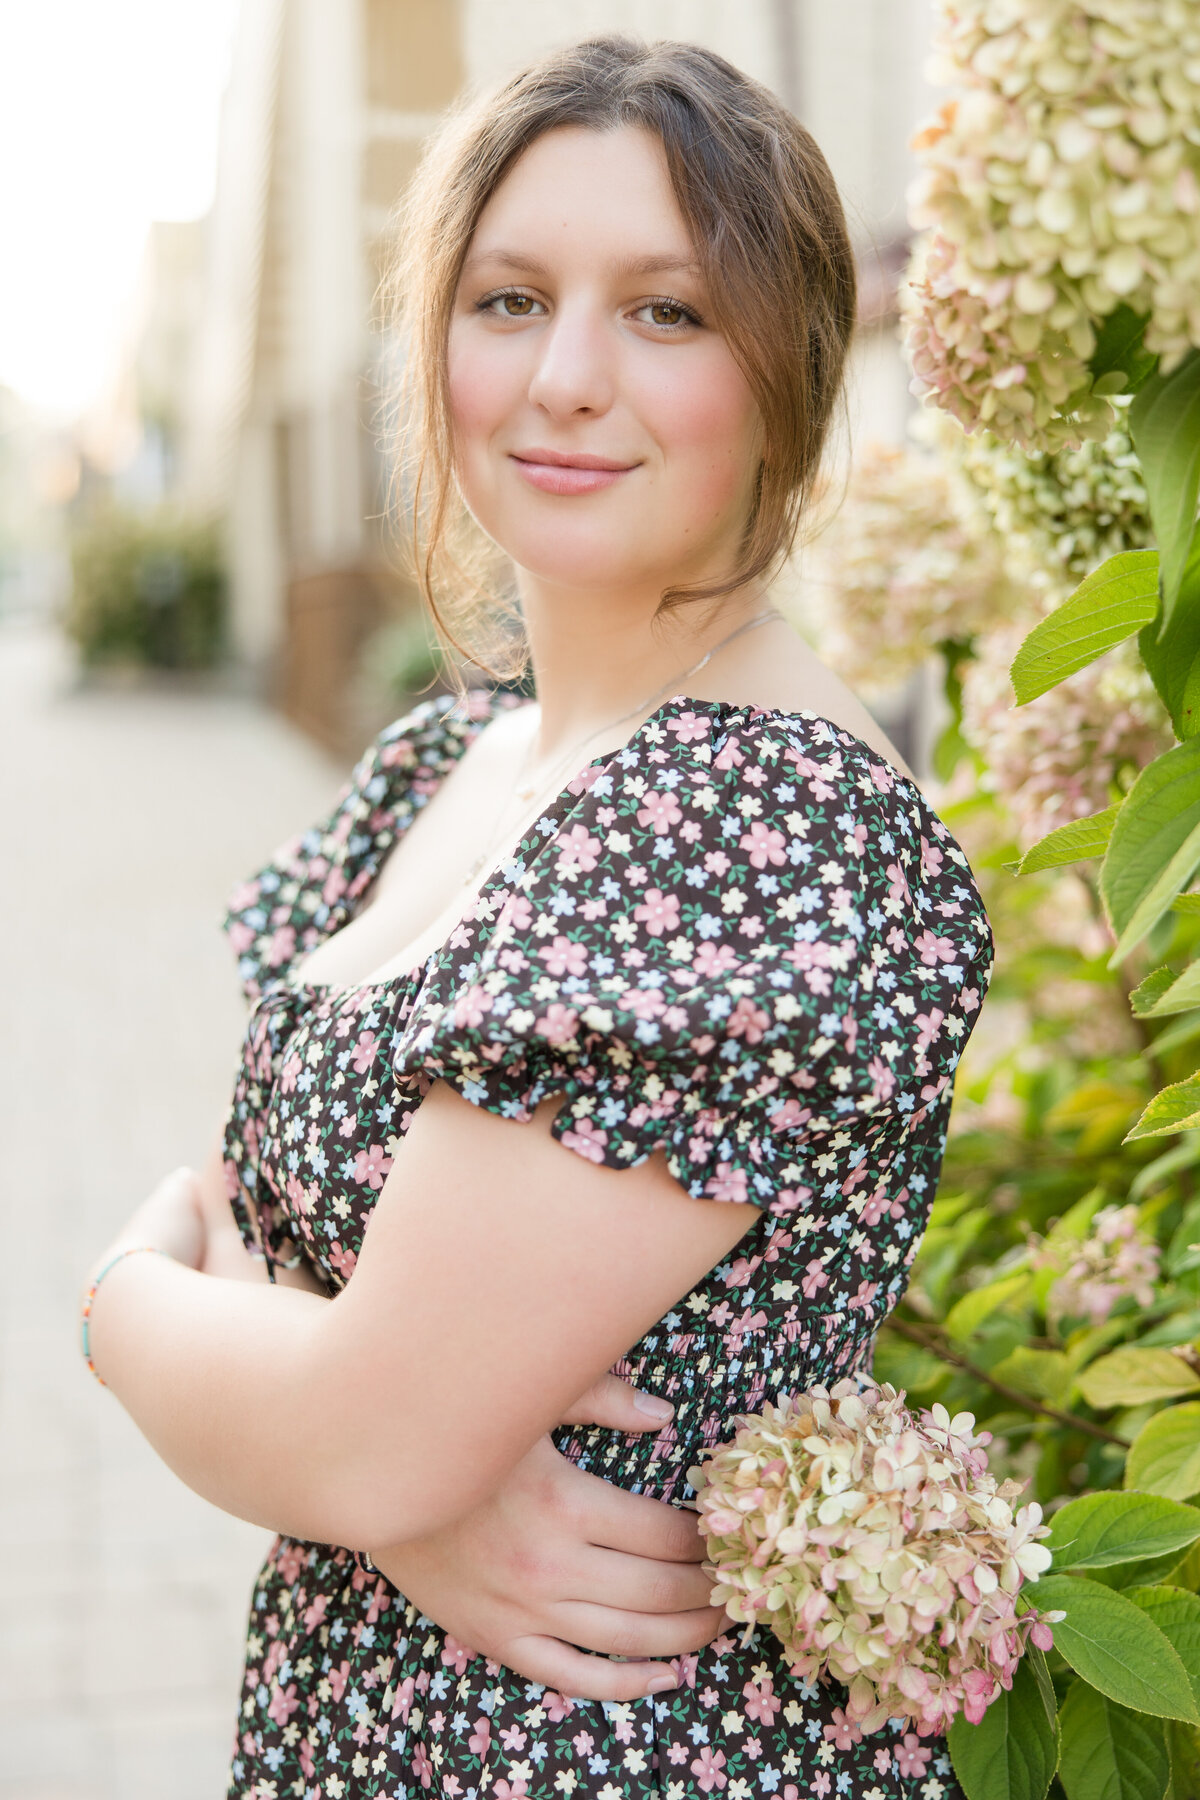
x,y
575,371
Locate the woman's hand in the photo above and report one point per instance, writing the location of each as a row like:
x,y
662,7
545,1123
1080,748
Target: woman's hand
x,y
557,1558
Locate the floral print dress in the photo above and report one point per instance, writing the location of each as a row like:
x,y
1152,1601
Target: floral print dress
x,y
745,940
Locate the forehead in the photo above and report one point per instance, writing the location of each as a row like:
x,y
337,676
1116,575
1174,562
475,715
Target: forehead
x,y
580,189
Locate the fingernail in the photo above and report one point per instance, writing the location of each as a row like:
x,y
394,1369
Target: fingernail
x,y
660,1684
650,1403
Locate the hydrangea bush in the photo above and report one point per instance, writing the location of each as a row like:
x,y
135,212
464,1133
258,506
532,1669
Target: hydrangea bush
x,y
1052,322
1059,184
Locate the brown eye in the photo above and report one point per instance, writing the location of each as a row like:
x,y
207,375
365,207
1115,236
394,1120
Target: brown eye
x,y
664,314
517,306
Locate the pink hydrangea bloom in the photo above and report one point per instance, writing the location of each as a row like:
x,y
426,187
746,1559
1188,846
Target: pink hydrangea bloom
x,y
879,1550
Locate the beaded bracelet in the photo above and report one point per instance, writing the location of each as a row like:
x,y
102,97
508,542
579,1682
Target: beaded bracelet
x,y
88,1299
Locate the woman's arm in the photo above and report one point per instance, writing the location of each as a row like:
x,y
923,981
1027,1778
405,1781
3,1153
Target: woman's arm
x,y
499,1277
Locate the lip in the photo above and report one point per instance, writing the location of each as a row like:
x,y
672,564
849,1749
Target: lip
x,y
569,472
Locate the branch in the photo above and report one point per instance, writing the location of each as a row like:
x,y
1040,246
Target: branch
x,y
928,1342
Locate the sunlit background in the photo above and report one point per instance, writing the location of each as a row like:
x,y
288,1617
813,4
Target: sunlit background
x,y
201,623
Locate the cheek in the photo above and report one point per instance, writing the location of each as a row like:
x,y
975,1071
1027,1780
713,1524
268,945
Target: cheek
x,y
478,390
708,424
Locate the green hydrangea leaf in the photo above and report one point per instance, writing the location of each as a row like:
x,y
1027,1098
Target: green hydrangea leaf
x,y
1109,1528
1131,1376
1109,605
1109,1752
1164,1458
1116,1647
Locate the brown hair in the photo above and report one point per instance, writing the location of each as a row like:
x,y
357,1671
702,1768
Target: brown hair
x,y
770,234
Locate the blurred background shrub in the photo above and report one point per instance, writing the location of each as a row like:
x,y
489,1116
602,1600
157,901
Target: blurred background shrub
x,y
147,590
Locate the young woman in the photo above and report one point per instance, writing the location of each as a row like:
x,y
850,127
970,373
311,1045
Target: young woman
x,y
550,980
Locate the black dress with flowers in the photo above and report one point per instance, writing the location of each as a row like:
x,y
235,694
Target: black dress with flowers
x,y
745,940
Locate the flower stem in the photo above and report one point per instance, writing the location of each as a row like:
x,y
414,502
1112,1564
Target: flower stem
x,y
927,1341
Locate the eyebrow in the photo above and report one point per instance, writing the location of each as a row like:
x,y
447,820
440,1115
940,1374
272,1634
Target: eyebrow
x,y
520,261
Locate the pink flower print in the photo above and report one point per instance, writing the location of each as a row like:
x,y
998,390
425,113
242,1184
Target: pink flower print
x,y
372,1166
456,1656
659,912
821,1784
244,895
516,912
685,1668
289,1072
842,1732
583,1743
717,863
363,1053
814,1279
677,1753
283,1704
593,909
969,1000
867,1291
675,1019
560,1024
289,1562
557,1706
472,1005
689,728
883,1761
729,1183
587,1140
516,1791
691,831
748,1021
883,1080
660,810
751,927
513,1738
281,947
562,957
707,1769
714,959
790,1116
338,1678
315,1612
240,936
643,1003
931,860
881,776
932,949
422,1768
480,1739
765,845
761,1703
334,888
912,1757
898,888
928,1026
728,757
342,1260
578,851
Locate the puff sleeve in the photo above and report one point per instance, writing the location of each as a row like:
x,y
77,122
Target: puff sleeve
x,y
746,942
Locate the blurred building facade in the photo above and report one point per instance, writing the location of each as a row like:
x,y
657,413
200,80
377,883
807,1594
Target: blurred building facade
x,y
326,112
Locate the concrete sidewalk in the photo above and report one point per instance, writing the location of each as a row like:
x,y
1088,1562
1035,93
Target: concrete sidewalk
x,y
125,818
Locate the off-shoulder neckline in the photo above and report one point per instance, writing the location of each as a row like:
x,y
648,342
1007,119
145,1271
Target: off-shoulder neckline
x,y
572,791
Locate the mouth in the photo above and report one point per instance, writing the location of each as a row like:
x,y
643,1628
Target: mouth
x,y
569,472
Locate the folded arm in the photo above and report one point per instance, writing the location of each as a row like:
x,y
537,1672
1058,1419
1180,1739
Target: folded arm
x,y
500,1276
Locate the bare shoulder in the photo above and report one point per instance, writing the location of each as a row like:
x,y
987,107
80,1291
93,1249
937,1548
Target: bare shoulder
x,y
790,677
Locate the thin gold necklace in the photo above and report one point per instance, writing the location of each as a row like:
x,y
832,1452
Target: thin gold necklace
x,y
525,793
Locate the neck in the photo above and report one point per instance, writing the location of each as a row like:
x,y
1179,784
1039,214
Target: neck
x,y
598,656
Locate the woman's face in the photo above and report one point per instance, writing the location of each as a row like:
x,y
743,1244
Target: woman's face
x,y
605,437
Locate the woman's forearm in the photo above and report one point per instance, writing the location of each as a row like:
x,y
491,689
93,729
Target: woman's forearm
x,y
220,1376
